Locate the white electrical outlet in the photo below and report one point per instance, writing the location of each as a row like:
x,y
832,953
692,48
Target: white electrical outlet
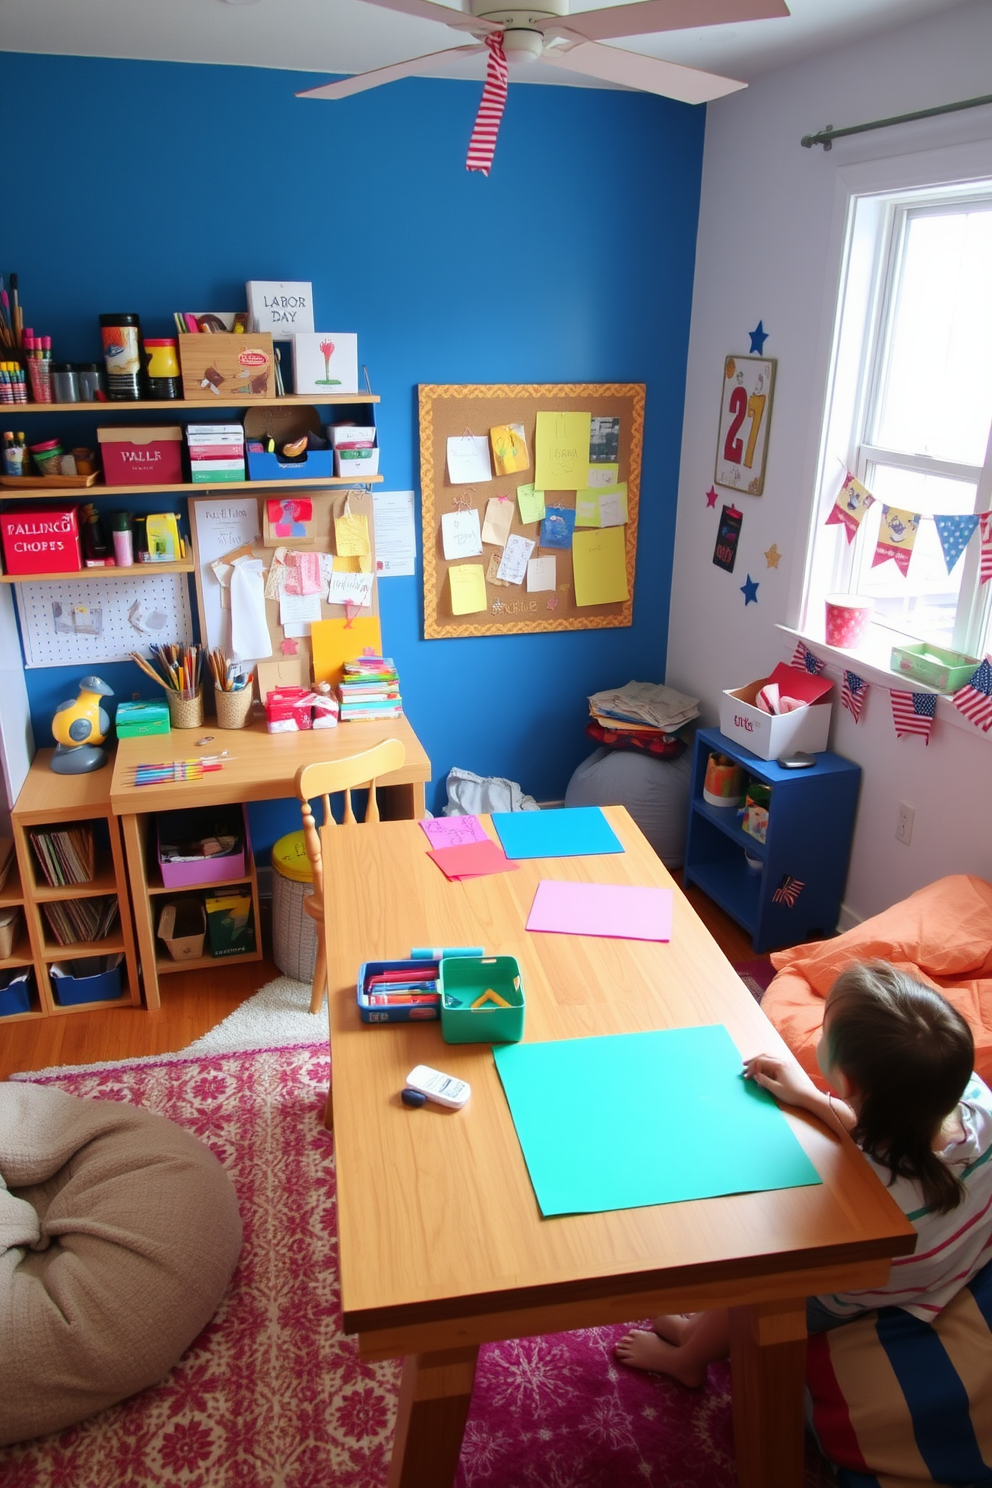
x,y
904,823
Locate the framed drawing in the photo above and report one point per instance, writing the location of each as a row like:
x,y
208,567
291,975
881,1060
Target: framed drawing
x,y
745,413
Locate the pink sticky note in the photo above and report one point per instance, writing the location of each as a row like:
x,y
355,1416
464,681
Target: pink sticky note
x,y
452,831
618,910
472,859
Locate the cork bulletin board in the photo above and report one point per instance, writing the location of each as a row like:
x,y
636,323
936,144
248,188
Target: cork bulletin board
x,y
461,419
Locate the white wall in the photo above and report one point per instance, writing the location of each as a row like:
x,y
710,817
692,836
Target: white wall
x,y
769,248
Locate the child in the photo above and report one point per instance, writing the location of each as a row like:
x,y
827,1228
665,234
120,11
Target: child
x,y
900,1059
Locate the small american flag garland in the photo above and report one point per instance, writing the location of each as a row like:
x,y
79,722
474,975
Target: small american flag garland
x,y
803,657
853,694
974,699
913,713
788,890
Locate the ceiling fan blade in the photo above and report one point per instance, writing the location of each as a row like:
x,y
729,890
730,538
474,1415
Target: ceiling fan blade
x,y
646,17
379,75
428,10
649,74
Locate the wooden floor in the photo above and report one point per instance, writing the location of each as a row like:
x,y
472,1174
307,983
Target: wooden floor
x,y
195,1001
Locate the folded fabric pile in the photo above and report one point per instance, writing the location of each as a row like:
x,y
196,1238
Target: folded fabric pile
x,y
643,715
370,688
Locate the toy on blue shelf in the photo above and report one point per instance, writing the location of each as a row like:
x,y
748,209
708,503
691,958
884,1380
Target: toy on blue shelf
x,y
80,727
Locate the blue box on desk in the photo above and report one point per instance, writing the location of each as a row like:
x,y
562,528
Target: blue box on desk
x,y
15,996
104,986
397,1012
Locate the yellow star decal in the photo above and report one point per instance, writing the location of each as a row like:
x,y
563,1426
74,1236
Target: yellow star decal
x,y
772,555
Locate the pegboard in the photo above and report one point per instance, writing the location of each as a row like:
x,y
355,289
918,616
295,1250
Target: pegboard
x,y
70,622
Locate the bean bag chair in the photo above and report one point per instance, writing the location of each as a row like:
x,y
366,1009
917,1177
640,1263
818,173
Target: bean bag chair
x,y
119,1232
895,1402
654,791
942,934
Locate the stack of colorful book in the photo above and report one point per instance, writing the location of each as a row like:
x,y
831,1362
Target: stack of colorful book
x,y
370,688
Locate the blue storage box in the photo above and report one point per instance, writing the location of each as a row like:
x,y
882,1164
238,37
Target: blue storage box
x,y
15,995
396,1012
265,467
102,986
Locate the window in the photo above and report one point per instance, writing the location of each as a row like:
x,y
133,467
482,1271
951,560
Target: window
x,y
909,412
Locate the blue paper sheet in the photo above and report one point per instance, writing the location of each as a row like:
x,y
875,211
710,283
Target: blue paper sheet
x,y
572,832
645,1118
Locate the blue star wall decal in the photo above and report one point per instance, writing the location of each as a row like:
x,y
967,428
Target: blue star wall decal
x,y
750,591
758,338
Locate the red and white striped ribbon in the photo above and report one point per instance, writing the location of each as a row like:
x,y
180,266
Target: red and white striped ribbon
x,y
482,145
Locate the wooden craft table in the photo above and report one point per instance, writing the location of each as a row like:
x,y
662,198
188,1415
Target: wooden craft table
x,y
261,767
442,1246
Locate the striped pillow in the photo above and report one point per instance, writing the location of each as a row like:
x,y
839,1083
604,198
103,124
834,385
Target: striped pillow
x,y
896,1402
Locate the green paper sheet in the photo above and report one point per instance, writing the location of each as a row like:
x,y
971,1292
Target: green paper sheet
x,y
645,1118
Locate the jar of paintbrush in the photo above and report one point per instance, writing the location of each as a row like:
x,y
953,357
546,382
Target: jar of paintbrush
x,y
232,691
177,669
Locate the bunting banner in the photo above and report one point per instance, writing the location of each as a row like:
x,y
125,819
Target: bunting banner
x,y
985,523
896,536
482,145
803,657
955,535
850,507
913,713
853,694
974,699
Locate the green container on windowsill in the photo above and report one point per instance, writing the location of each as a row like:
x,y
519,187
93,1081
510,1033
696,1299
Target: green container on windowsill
x,y
944,670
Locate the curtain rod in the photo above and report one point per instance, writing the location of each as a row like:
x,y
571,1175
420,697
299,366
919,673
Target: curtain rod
x,y
828,135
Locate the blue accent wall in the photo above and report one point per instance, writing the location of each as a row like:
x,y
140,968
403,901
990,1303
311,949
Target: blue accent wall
x,y
162,186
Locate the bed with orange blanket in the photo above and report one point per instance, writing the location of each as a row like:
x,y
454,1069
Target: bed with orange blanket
x,y
941,934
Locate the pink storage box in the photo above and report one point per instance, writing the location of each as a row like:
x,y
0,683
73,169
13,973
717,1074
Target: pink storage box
x,y
219,869
146,456
42,541
288,710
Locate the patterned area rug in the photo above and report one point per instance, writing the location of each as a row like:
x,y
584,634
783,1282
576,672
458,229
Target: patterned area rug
x,y
756,976
273,1395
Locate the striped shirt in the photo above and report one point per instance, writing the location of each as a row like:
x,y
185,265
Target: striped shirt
x,y
951,1247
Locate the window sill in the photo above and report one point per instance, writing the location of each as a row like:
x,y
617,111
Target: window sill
x,y
869,664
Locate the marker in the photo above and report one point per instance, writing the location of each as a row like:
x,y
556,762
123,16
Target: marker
x,y
402,999
434,953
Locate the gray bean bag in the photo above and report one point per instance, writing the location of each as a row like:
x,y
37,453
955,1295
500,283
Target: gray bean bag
x,y
655,792
119,1233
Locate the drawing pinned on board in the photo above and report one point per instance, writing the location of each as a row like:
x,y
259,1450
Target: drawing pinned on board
x,y
557,527
509,443
460,534
513,564
604,440
468,459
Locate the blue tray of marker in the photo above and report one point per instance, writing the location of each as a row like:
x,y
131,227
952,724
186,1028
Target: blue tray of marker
x,y
398,992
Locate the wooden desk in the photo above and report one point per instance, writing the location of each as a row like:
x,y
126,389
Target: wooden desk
x,y
442,1246
262,767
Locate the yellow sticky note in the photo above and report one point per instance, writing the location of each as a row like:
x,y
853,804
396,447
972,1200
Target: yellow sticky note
x,y
333,642
561,451
601,506
599,567
468,588
351,535
509,448
346,565
531,504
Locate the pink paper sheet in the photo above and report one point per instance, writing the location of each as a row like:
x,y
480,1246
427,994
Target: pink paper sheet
x,y
618,910
452,831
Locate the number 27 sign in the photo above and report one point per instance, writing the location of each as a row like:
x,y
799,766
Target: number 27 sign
x,y
745,410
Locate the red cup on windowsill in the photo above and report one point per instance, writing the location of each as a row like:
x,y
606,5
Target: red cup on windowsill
x,y
848,617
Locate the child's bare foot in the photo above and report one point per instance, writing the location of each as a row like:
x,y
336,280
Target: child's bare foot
x,y
671,1326
641,1349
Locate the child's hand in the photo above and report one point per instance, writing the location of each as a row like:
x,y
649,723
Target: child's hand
x,y
784,1077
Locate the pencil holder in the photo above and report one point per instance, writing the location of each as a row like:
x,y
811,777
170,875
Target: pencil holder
x,y
233,708
185,713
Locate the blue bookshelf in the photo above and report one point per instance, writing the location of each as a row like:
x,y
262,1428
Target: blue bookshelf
x,y
796,895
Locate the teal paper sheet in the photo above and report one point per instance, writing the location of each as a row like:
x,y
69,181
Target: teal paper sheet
x,y
569,832
645,1118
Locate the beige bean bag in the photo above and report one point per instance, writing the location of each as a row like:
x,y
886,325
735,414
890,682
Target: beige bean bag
x,y
119,1233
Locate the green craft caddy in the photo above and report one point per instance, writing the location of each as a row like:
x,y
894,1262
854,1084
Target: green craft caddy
x,y
462,980
933,666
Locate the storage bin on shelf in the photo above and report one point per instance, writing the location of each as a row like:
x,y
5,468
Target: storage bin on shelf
x,y
294,933
182,926
230,922
16,986
205,826
82,985
482,1000
768,735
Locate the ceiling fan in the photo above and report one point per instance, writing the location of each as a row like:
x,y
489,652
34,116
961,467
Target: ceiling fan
x,y
562,39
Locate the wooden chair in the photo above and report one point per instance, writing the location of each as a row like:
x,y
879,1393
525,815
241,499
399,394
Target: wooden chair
x,y
324,780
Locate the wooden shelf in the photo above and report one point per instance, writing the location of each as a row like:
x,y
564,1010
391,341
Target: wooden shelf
x,y
164,405
189,488
99,573
198,963
105,882
91,1007
111,945
156,886
21,954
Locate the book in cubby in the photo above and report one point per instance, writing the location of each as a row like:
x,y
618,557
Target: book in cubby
x,y
74,920
66,856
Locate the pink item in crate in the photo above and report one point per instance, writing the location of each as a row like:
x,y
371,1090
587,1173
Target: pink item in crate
x,y
218,867
847,619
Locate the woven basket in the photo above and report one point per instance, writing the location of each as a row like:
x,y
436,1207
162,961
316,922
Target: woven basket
x,y
185,713
10,923
233,708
